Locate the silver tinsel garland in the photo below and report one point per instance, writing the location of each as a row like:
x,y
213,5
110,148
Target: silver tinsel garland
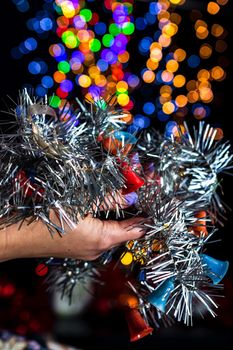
x,y
71,165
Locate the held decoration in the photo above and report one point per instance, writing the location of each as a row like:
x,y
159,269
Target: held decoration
x,y
69,164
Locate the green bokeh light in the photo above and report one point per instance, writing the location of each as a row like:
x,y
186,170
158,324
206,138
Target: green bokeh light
x,y
114,29
107,40
128,28
64,67
95,45
54,101
87,14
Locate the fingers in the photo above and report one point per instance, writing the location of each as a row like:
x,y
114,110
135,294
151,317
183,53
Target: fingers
x,y
118,201
117,232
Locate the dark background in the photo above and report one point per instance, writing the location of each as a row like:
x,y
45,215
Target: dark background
x,y
103,326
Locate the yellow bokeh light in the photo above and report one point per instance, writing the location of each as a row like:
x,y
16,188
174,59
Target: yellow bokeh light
x,y
179,81
213,8
68,9
217,73
156,52
204,84
165,40
175,2
123,99
170,29
84,81
181,100
172,66
148,76
200,23
152,65
203,75
179,55
100,80
206,94
205,51
202,32
168,107
93,71
122,86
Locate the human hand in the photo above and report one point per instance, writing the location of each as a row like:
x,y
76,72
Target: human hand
x,y
87,241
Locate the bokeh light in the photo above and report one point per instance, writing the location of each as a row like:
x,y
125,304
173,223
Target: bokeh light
x,y
93,54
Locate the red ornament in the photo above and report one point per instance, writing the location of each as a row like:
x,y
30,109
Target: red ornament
x,y
41,270
132,181
138,328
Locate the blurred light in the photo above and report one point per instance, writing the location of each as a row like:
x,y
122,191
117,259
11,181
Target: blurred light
x,y
66,85
64,66
46,24
59,76
47,82
168,107
141,121
100,28
95,45
87,14
219,135
213,8
181,100
217,73
34,67
84,81
149,108
40,91
172,66
205,51
68,9
54,101
220,46
179,81
193,61
148,76
203,75
222,2
123,99
30,44
217,30
180,55
133,81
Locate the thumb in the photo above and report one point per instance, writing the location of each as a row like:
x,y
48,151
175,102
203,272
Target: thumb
x,y
122,231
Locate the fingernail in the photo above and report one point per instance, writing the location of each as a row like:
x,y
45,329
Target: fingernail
x,y
131,198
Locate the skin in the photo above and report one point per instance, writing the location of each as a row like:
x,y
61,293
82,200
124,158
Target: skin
x,y
87,241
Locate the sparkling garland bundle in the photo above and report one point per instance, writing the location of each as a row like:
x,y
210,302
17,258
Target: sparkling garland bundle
x,y
69,165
